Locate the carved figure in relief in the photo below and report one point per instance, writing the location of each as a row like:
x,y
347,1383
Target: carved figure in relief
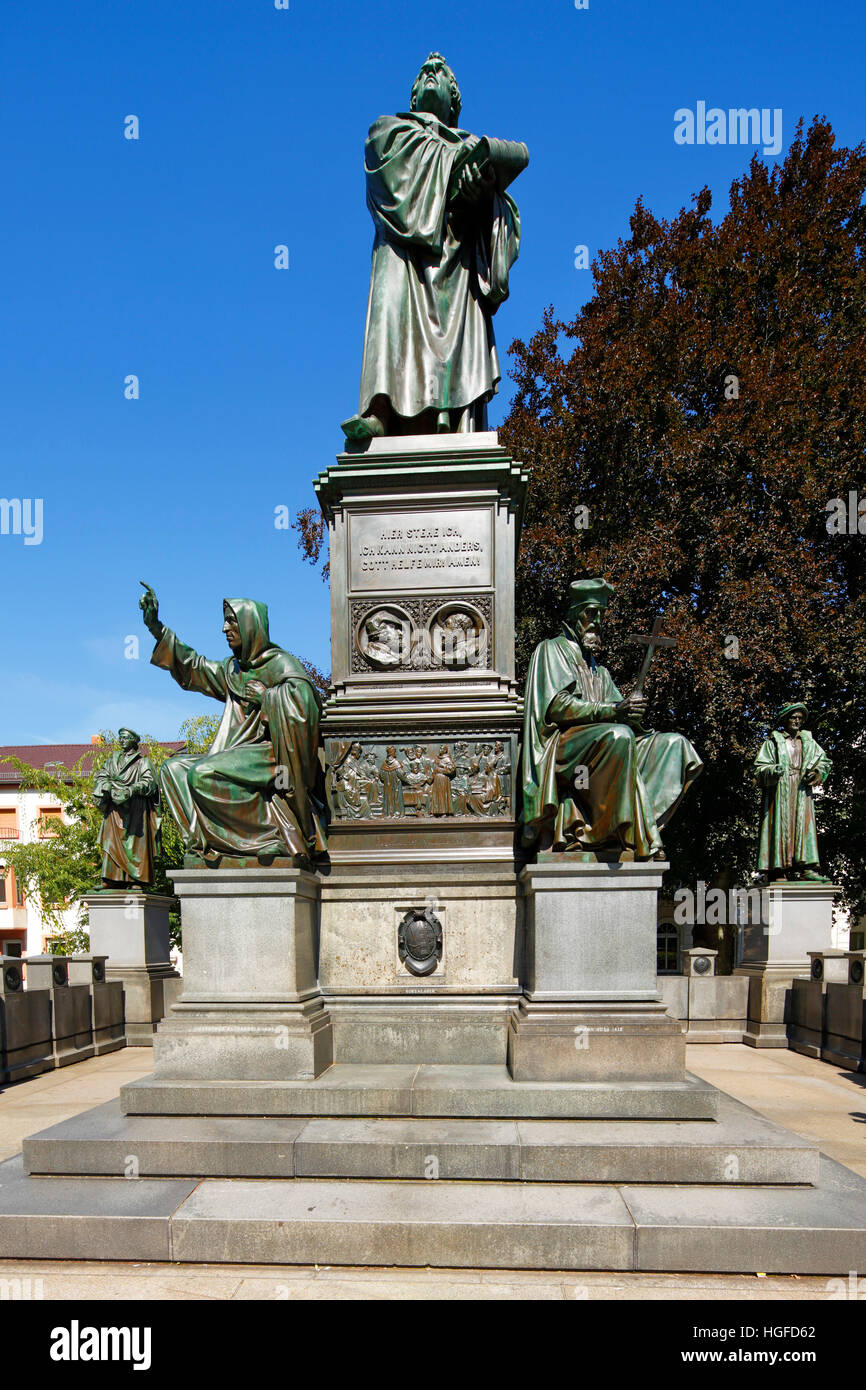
x,y
384,645
393,775
443,770
349,782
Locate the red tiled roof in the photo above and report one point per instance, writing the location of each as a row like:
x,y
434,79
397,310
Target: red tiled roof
x,y
41,754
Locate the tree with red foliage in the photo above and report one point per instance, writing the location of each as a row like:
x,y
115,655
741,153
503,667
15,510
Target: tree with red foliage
x,y
705,407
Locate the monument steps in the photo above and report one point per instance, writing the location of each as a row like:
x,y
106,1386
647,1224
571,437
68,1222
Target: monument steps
x,y
494,1225
448,1089
739,1147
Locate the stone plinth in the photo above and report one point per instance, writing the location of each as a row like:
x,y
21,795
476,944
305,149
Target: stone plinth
x,y
793,920
250,1008
131,929
591,1010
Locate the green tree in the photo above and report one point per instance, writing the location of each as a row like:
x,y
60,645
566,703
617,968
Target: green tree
x,y
705,406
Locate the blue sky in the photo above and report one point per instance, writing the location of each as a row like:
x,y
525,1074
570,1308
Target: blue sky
x,y
156,257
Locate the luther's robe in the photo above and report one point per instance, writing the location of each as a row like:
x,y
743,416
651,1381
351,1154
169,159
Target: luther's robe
x,y
129,831
788,831
257,792
438,274
635,780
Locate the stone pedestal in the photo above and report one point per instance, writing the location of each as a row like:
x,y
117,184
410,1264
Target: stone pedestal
x,y
591,1009
793,919
131,929
421,733
251,1008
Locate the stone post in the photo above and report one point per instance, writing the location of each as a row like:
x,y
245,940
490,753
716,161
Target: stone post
x,y
25,1025
844,1043
130,930
71,1007
109,1032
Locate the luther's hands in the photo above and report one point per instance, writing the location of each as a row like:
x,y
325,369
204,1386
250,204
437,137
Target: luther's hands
x,y
150,610
473,184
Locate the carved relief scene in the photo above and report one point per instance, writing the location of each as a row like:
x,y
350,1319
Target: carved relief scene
x,y
439,779
421,634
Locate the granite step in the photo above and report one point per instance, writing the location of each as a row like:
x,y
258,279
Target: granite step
x,y
443,1224
738,1147
482,1091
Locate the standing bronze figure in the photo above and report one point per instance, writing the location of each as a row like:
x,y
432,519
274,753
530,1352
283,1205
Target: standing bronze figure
x,y
126,791
789,766
447,235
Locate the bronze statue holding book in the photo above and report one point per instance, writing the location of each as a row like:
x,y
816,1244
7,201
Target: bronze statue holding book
x,y
447,235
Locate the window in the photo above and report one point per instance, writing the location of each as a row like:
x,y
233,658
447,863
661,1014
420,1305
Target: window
x,y
8,824
2,888
18,891
49,817
667,949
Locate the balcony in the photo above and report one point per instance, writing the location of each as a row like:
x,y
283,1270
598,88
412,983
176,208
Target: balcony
x,y
9,832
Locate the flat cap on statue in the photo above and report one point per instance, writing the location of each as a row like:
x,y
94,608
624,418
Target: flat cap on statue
x,y
590,591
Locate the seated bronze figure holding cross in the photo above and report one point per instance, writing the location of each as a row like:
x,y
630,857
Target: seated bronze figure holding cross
x,y
595,781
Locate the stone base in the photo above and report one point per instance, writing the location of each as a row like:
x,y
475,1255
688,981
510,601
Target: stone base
x,y
769,1014
250,1008
251,1042
144,998
736,1146
788,921
713,1009
568,1042
733,1193
479,1092
429,1026
131,929
591,930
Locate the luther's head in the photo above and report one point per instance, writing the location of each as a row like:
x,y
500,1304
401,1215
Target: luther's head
x,y
128,739
232,629
435,91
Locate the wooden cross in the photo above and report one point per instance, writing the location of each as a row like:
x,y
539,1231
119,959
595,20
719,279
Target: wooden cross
x,y
651,640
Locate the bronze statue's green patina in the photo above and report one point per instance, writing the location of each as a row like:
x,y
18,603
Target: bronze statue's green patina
x,y
447,235
126,791
257,794
788,767
594,780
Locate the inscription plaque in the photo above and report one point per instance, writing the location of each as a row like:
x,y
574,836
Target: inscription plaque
x,y
421,550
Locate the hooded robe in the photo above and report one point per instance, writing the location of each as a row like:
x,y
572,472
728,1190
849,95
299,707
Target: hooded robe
x,y
635,780
130,828
438,274
788,831
257,790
